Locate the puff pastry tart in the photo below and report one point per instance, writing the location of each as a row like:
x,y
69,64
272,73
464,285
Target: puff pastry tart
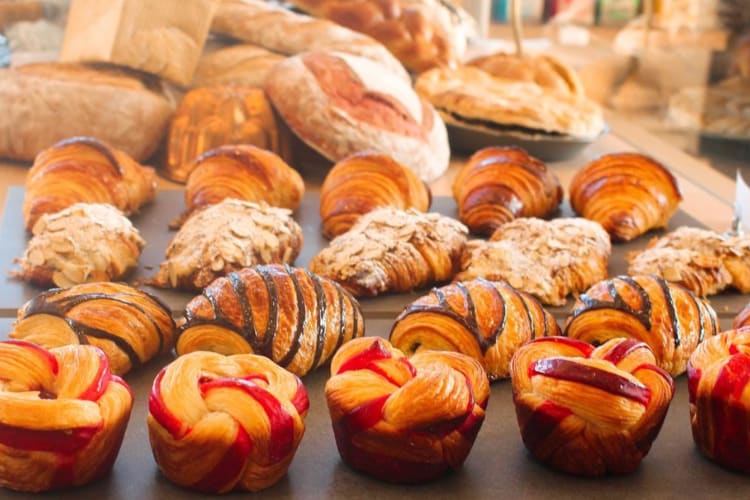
x,y
391,250
547,259
627,193
83,243
498,184
483,319
666,316
225,237
366,181
129,325
404,420
287,314
62,416
220,423
589,411
85,170
718,374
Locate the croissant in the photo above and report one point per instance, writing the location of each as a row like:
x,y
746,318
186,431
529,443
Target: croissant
x,y
85,170
129,325
627,193
404,420
241,172
209,117
666,316
220,423
498,184
363,182
389,250
718,373
287,314
589,411
62,416
486,320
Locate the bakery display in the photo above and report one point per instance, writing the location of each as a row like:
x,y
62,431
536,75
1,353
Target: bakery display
x,y
666,316
498,184
62,416
83,243
701,260
127,324
225,237
85,170
221,423
719,110
363,182
210,117
339,104
287,314
244,64
547,259
389,250
718,374
65,100
589,411
404,420
487,320
627,193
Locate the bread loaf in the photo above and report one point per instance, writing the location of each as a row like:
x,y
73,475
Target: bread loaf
x,y
243,64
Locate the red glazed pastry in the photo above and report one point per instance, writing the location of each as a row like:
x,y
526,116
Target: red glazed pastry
x,y
62,416
220,423
589,411
718,375
405,421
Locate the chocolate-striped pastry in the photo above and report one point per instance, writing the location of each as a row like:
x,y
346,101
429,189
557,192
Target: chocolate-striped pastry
x,y
287,314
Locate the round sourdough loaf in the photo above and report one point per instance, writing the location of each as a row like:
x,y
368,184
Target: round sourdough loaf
x,y
340,104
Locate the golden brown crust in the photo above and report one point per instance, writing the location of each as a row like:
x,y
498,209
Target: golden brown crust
x,y
242,64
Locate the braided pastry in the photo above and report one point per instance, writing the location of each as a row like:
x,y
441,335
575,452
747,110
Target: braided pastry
x,y
589,411
129,325
391,250
363,182
498,184
486,320
85,170
62,416
220,423
287,314
400,420
666,316
718,375
627,193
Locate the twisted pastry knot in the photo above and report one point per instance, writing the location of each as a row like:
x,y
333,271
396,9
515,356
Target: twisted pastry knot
x,y
287,314
718,379
129,325
498,184
589,411
664,315
627,193
218,423
404,420
85,170
363,182
486,320
62,416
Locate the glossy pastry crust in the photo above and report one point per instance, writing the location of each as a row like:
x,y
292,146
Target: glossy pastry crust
x,y
544,70
498,184
62,416
287,314
664,315
221,423
363,182
85,170
589,411
129,325
627,193
487,320
404,420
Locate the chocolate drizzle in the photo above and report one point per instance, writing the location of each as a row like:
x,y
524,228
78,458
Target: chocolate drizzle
x,y
674,320
618,303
